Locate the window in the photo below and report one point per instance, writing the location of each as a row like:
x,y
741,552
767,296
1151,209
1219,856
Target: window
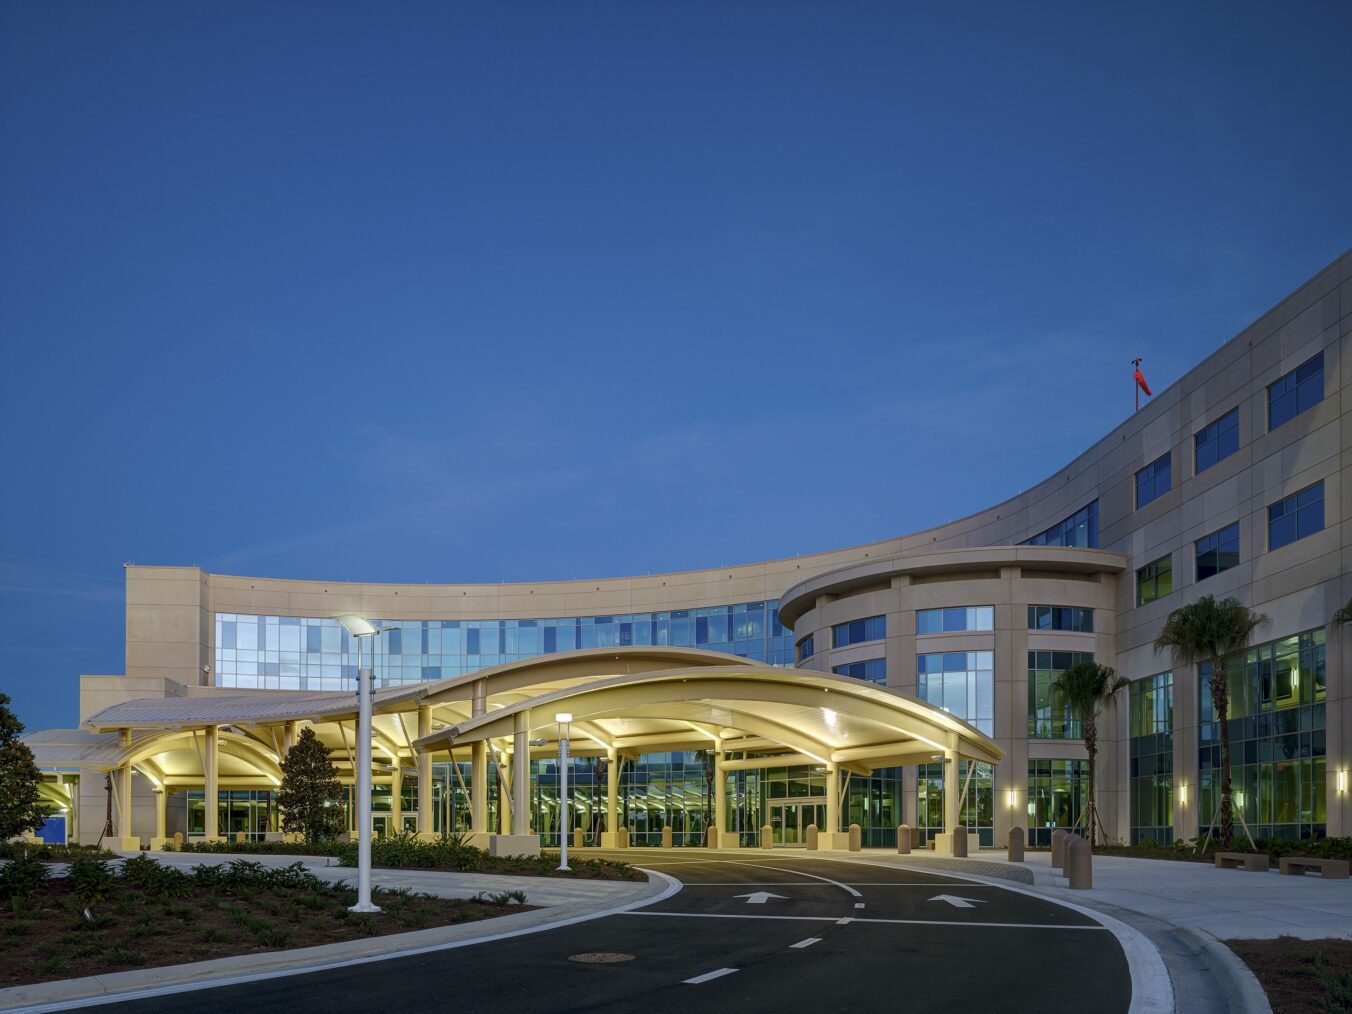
x,y
806,647
1299,515
1057,795
874,670
1155,580
1049,716
1071,618
1152,759
1300,389
1217,552
1217,441
960,682
874,628
1080,529
946,621
1153,481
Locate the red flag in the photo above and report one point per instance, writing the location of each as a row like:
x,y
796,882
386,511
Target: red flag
x,y
1140,381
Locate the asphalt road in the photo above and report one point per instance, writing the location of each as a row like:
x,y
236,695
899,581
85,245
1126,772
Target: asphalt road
x,y
829,936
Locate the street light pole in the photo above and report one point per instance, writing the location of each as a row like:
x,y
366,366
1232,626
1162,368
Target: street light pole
x,y
565,811
359,628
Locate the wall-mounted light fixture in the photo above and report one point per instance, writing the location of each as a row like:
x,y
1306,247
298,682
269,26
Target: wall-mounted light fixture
x,y
1012,796
1182,793
1342,781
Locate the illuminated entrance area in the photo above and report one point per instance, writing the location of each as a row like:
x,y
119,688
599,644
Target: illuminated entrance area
x,y
790,819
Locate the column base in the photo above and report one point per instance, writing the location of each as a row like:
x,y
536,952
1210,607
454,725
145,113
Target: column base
x,y
158,844
729,840
478,839
513,845
131,843
943,845
833,841
428,836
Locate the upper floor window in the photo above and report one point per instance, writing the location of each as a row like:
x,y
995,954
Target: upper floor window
x,y
806,647
1217,552
872,669
1072,618
1216,442
1300,389
874,628
960,682
1297,516
1155,580
1156,479
946,621
1080,529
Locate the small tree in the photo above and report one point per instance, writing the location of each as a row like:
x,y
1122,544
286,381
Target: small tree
x,y
1085,686
21,806
310,796
1210,631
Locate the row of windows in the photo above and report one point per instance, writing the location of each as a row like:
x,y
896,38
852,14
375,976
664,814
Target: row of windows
x,y
1081,529
946,621
1295,517
873,669
1073,618
807,647
872,628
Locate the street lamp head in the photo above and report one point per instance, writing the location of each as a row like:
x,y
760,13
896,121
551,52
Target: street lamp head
x,y
356,625
563,717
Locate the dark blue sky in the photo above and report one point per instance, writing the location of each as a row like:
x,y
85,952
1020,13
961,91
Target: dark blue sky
x,y
480,292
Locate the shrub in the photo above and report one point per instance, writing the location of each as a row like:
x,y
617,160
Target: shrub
x,y
22,877
91,879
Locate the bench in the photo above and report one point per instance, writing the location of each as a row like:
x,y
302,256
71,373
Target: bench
x,y
1255,862
1329,869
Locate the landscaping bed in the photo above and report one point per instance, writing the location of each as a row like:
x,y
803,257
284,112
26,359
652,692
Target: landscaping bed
x,y
1321,848
1301,976
98,919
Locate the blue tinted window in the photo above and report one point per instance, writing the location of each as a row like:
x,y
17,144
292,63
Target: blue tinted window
x,y
1073,618
874,670
874,628
1153,481
1080,529
960,682
806,647
1299,390
1297,516
1217,441
947,621
1217,552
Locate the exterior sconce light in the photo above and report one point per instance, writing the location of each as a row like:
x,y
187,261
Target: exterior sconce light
x,y
1012,796
1182,793
1342,781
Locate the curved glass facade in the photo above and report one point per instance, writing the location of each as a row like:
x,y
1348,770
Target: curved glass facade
x,y
316,653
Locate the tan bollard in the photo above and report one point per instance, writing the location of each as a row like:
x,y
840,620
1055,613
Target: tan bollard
x,y
767,836
1079,863
811,837
622,838
960,841
178,841
666,837
1059,848
904,840
1015,845
856,838
711,837
577,838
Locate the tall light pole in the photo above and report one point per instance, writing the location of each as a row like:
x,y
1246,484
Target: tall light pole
x,y
359,628
565,811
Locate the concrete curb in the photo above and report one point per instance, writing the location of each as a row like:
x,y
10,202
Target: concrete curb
x,y
167,979
1242,987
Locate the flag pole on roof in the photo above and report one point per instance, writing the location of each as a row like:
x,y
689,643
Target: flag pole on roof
x,y
1141,385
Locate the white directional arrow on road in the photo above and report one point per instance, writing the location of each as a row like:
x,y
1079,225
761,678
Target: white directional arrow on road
x,y
759,898
957,902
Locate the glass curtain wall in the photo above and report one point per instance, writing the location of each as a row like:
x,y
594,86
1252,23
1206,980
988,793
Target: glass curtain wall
x,y
1278,749
1152,759
1058,792
1049,716
978,811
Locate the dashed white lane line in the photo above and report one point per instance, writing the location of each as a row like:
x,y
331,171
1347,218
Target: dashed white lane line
x,y
858,904
844,922
716,974
960,924
805,943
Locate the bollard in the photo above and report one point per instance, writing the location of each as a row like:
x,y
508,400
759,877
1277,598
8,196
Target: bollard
x,y
1015,845
767,836
711,837
178,841
577,838
960,841
1059,849
904,840
1079,863
856,838
811,837
622,838
666,837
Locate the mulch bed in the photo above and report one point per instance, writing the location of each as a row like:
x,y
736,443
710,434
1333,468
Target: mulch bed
x,y
525,866
1286,969
46,935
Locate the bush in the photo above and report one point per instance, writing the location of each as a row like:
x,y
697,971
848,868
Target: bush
x,y
47,853
21,877
261,848
91,879
407,851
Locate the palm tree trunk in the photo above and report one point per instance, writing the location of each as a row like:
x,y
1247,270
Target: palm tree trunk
x,y
1220,697
1091,747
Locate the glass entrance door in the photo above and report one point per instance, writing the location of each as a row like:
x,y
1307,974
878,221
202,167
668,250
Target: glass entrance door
x,y
789,820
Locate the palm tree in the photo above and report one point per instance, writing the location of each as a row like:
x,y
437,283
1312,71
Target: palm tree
x,y
1085,686
1209,631
1343,615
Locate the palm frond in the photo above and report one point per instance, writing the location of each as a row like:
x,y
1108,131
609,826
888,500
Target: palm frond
x,y
1344,615
1208,629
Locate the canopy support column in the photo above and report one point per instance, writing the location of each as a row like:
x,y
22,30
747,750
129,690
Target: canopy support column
x,y
425,776
211,818
478,778
943,843
830,836
720,796
610,836
521,774
397,798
